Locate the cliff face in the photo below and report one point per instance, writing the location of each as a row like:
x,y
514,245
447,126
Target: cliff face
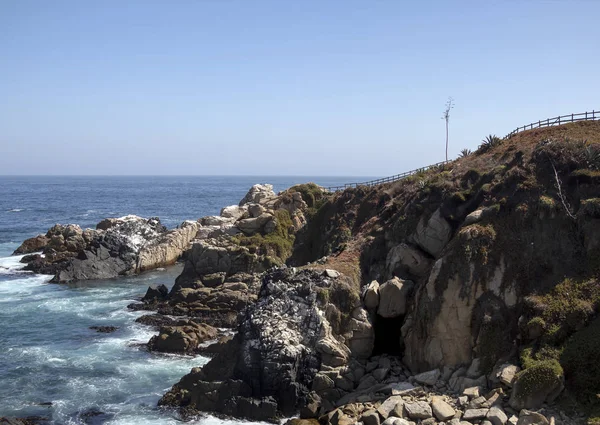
x,y
454,279
481,239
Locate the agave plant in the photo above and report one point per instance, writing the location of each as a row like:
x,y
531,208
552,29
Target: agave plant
x,y
489,142
592,157
464,153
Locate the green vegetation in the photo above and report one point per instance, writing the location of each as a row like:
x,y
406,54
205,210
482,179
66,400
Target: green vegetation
x,y
580,360
590,207
566,308
538,377
488,143
464,153
277,244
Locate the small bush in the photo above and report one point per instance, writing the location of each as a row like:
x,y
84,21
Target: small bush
x,y
580,360
539,376
590,207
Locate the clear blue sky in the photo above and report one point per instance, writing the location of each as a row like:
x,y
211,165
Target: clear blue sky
x,y
280,87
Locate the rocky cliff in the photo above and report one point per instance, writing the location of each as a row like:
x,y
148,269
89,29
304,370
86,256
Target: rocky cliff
x,y
470,295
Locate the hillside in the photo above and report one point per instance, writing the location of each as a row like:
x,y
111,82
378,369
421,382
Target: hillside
x,y
503,247
465,292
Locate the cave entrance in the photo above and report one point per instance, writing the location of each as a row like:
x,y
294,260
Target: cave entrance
x,y
388,336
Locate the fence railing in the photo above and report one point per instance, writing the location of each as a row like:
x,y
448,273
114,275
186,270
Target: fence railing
x,y
563,119
383,180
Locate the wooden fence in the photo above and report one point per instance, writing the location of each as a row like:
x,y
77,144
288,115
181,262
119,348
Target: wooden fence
x,y
584,116
389,179
563,119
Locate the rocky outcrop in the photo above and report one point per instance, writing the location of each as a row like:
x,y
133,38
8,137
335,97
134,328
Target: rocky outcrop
x,y
184,337
118,246
291,335
249,238
34,244
258,194
167,249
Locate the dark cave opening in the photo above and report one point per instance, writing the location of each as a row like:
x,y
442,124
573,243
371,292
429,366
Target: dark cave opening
x,y
388,336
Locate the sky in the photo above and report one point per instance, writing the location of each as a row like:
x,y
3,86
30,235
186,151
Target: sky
x,y
252,87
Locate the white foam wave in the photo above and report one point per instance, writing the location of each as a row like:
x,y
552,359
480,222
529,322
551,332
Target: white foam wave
x,y
16,210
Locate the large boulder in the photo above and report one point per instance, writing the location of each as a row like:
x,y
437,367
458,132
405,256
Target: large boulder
x,y
258,194
406,260
433,235
392,297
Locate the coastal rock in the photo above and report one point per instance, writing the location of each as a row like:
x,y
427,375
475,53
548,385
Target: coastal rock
x,y
184,337
156,293
258,194
251,226
234,211
168,248
30,245
283,340
118,246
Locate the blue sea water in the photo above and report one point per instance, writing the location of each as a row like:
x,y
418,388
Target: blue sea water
x,y
51,363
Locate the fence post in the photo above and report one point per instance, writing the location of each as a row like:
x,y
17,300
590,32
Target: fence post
x,y
572,115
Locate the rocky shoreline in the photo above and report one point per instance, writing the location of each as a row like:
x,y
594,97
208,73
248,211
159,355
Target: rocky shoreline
x,y
438,300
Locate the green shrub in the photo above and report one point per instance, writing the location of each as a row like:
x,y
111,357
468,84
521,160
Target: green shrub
x,y
311,193
539,376
277,244
580,360
590,207
488,143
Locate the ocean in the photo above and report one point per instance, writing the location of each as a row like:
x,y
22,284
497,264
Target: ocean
x,y
51,363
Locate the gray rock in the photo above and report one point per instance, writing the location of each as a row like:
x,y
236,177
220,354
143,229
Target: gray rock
x,y
418,410
396,421
404,259
251,226
389,405
497,416
442,410
527,417
258,194
371,298
434,234
428,378
472,414
506,373
331,273
367,382
380,373
392,297
370,417
474,369
472,392
233,211
255,210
